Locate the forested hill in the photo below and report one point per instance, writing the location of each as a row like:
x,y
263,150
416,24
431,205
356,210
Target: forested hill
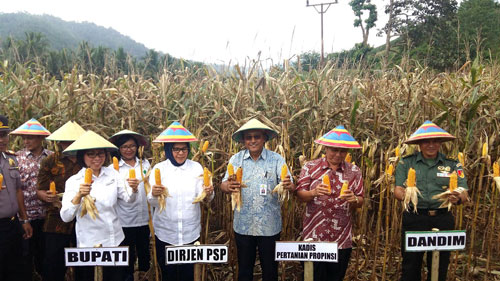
x,y
63,34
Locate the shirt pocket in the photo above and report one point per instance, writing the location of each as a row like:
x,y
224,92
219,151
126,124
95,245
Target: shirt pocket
x,y
14,173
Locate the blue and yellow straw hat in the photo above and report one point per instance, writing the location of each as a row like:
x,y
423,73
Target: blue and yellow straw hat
x,y
429,130
338,137
175,133
31,127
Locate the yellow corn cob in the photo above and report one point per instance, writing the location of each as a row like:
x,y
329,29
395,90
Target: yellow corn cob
x,y
348,157
205,147
52,187
496,170
131,174
1,181
157,176
230,169
326,181
115,163
485,149
461,158
397,152
412,178
323,155
453,181
88,176
239,175
390,170
345,187
206,177
284,172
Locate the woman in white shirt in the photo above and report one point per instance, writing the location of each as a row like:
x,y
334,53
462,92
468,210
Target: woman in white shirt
x,y
133,216
179,223
107,188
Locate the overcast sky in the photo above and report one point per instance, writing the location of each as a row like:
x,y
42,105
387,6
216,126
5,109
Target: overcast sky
x,y
216,31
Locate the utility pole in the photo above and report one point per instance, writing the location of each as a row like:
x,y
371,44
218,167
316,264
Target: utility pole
x,y
323,8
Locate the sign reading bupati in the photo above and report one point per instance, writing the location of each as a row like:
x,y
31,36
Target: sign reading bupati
x,y
306,251
116,256
420,241
196,254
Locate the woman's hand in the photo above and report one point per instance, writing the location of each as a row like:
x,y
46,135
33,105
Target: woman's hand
x,y
157,190
133,183
84,189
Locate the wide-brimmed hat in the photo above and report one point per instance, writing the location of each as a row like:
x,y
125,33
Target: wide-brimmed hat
x,y
429,130
32,127
254,124
175,133
89,140
338,137
141,139
4,124
70,131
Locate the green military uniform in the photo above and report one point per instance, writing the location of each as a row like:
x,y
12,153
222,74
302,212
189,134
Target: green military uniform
x,y
433,176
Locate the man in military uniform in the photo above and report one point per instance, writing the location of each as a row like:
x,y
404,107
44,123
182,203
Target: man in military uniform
x,y
433,170
11,203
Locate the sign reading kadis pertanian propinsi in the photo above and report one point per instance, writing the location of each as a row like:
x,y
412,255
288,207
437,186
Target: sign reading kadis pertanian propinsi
x,y
115,256
448,240
306,251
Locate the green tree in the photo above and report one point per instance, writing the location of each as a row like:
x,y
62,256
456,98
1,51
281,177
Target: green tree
x,y
358,6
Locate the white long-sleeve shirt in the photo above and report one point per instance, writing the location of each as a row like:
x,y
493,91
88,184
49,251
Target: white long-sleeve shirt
x,y
107,189
134,213
179,223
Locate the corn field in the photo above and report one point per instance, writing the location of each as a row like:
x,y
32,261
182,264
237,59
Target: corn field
x,y
380,109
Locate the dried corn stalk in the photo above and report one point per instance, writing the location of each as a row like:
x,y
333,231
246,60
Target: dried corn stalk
x,y
411,192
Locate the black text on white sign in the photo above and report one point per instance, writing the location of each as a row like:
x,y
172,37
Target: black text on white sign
x,y
196,254
117,256
419,241
306,251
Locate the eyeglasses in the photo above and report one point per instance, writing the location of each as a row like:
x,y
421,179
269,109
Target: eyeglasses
x,y
93,155
250,137
177,149
128,147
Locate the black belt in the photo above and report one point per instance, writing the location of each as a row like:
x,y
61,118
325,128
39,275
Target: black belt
x,y
432,212
11,219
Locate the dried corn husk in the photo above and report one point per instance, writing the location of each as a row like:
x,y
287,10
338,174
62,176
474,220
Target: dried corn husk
x,y
283,193
411,192
207,181
444,197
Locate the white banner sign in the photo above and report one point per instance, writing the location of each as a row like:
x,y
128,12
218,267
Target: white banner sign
x,y
420,241
306,251
196,254
116,256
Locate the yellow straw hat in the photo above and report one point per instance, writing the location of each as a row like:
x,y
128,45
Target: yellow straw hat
x,y
70,131
254,124
89,140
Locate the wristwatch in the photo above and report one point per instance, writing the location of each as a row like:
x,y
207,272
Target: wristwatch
x,y
25,221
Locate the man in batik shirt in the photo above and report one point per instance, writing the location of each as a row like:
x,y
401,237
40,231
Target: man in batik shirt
x,y
328,213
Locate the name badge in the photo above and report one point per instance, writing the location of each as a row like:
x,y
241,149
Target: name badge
x,y
263,189
443,175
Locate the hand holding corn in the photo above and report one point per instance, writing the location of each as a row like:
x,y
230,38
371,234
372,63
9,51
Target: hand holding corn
x,y
134,184
411,191
160,191
284,186
207,186
88,205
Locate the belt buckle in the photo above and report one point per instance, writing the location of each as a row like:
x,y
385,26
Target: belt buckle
x,y
432,213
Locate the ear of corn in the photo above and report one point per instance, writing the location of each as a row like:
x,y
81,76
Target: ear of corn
x,y
230,169
131,174
461,158
157,177
485,149
496,170
284,172
115,163
206,177
204,147
239,175
52,187
412,178
345,187
397,151
1,181
88,176
326,181
348,158
390,170
453,181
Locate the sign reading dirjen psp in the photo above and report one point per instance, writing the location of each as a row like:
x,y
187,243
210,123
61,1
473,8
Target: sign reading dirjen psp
x,y
196,254
306,251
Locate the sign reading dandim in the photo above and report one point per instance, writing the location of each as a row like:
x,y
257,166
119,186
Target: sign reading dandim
x,y
419,241
117,256
196,254
306,251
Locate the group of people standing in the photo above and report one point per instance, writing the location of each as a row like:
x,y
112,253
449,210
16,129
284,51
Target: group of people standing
x,y
113,208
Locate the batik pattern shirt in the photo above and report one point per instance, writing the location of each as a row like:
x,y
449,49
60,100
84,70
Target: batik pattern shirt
x,y
327,217
29,165
260,214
